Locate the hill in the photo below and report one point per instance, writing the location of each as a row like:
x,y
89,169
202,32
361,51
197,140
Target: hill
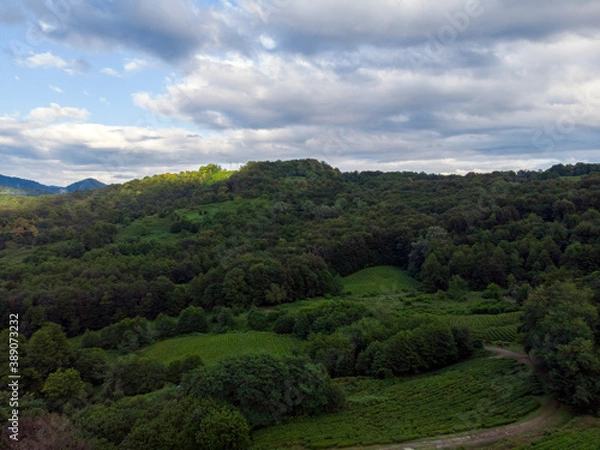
x,y
84,185
20,186
381,275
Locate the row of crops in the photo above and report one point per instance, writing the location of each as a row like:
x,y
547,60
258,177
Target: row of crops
x,y
476,394
489,328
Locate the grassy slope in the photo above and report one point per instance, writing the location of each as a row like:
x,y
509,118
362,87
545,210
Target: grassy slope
x,y
474,394
211,348
379,280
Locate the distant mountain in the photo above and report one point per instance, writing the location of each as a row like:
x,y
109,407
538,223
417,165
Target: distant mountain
x,y
20,186
20,183
84,185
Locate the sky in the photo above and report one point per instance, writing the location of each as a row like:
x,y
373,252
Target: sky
x,y
122,89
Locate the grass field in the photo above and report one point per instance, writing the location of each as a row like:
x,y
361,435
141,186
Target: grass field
x,y
379,280
150,226
211,348
472,395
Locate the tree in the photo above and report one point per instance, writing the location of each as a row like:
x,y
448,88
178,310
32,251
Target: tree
x,y
577,375
235,287
457,288
124,378
435,237
92,364
129,343
257,320
434,274
64,386
561,326
91,339
493,291
189,423
165,326
177,368
223,429
192,320
400,354
435,345
265,389
49,350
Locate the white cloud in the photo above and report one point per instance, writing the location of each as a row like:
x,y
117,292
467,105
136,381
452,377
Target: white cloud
x,y
50,61
110,72
46,60
56,89
267,42
56,112
135,64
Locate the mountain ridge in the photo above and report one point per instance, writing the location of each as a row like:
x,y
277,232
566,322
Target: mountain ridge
x,y
22,186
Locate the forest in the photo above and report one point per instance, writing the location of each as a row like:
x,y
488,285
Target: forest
x,y
353,284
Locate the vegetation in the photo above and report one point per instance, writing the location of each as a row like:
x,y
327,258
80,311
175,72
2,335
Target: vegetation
x,y
562,331
476,394
211,348
375,287
582,433
379,280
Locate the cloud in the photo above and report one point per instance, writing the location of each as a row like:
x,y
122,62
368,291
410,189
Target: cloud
x,y
110,72
443,85
118,152
167,29
135,65
350,24
56,89
50,61
44,60
56,112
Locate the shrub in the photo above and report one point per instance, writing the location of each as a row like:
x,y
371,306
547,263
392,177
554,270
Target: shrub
x,y
191,320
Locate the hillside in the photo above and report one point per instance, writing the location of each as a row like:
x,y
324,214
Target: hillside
x,y
375,275
22,187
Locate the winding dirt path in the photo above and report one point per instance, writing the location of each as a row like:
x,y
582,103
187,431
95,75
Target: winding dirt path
x,y
546,416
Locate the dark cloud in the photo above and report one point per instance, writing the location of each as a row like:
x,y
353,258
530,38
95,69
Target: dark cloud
x,y
167,29
350,24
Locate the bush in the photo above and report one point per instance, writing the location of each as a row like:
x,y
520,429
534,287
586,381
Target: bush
x,y
177,368
258,320
190,424
115,335
222,319
92,364
165,326
284,324
265,389
493,292
192,320
134,376
90,339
